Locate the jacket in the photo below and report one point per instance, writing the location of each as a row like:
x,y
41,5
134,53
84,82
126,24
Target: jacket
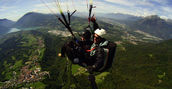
x,y
99,54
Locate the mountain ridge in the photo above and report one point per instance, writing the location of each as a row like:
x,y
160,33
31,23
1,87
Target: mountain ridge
x,y
5,25
155,26
147,24
3,30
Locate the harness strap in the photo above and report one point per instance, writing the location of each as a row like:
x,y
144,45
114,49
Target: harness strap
x,y
106,59
90,50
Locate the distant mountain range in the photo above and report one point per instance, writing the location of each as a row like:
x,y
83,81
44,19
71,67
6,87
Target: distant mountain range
x,y
120,17
3,29
113,17
34,19
5,25
153,25
169,21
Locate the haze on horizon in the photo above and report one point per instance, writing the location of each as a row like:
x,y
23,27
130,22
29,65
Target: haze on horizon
x,y
14,9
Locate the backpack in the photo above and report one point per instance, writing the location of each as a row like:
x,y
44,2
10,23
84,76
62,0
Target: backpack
x,y
110,54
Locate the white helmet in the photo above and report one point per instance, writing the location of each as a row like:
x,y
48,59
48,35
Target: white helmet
x,y
100,32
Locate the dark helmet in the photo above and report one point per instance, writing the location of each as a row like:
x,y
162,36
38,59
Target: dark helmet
x,y
86,35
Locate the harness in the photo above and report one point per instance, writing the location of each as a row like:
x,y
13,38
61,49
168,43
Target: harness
x,y
90,50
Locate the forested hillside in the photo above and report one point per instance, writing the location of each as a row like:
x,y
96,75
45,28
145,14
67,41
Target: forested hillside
x,y
3,29
30,59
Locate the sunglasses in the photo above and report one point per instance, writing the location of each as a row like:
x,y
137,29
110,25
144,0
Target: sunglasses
x,y
97,37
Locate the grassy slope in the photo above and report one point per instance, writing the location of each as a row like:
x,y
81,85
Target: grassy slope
x,y
141,67
135,67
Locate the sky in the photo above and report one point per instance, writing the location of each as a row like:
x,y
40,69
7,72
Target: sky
x,y
15,9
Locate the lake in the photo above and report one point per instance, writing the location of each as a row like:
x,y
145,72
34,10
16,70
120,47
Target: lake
x,y
14,30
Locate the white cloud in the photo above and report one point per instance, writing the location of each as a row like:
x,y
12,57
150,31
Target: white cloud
x,y
45,8
133,7
2,9
121,2
140,7
107,8
79,5
161,1
144,3
164,17
5,8
131,3
41,11
167,9
13,15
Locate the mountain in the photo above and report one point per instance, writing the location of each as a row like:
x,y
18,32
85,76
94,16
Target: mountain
x,y
169,21
118,18
33,19
112,17
154,25
115,16
123,17
3,30
6,23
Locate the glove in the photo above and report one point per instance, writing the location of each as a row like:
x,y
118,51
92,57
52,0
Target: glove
x,y
91,77
90,69
92,19
75,39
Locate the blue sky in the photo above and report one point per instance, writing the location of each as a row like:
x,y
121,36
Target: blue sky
x,y
14,9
